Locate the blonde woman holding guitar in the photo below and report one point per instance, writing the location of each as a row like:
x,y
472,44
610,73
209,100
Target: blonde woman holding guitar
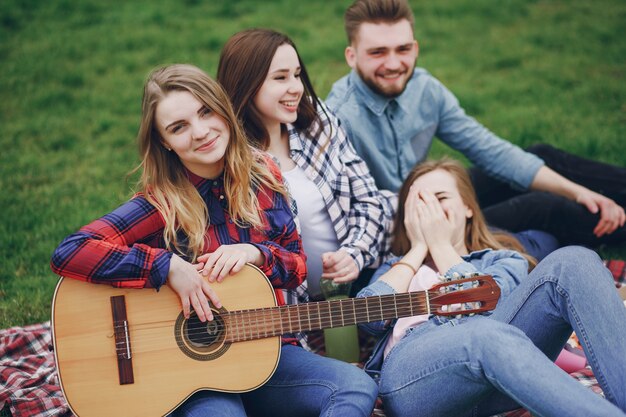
x,y
208,204
481,366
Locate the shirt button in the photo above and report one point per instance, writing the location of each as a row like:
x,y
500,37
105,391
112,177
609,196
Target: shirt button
x,y
214,182
221,196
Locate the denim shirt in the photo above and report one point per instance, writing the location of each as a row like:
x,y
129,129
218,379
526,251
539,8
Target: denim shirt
x,y
507,268
392,135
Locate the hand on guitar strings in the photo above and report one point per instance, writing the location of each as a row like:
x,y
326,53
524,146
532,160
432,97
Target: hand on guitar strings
x,y
194,291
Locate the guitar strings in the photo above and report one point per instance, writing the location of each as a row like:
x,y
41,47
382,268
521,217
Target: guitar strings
x,y
287,310
244,331
250,332
254,326
251,317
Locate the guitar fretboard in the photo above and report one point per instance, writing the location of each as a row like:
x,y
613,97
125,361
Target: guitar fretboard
x,y
275,321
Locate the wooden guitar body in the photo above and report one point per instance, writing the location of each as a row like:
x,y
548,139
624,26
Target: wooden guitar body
x,y
166,367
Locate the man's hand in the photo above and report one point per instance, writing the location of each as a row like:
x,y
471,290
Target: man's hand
x,y
611,214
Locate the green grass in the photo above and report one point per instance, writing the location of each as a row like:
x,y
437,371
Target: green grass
x,y
72,73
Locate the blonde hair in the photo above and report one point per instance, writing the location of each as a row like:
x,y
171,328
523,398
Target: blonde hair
x,y
477,233
164,179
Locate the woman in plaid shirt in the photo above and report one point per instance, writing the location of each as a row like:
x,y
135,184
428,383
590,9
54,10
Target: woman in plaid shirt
x,y
342,213
209,203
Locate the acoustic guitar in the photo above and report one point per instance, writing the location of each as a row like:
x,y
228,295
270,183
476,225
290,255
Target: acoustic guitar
x,y
129,352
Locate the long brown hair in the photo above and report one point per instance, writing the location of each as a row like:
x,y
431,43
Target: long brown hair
x,y
164,180
477,233
244,63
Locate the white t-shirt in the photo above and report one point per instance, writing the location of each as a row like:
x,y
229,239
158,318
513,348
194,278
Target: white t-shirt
x,y
318,234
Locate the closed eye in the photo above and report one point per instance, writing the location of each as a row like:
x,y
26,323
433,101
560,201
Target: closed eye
x,y
441,196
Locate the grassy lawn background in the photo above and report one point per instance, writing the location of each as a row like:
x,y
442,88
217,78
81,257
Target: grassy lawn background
x,y
71,74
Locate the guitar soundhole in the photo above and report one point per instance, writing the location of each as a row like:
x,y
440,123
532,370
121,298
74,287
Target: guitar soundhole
x,y
202,334
201,341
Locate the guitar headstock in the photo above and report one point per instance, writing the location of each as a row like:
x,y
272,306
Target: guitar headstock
x,y
475,294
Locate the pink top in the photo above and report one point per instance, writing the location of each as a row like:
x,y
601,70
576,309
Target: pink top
x,y
425,278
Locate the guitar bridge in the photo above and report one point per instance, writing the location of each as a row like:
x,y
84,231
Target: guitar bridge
x,y
122,340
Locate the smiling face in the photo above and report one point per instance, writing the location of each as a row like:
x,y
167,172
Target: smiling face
x,y
278,98
443,185
384,54
195,133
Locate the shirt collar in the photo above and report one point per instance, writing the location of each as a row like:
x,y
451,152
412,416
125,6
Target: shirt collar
x,y
374,101
476,254
198,181
295,144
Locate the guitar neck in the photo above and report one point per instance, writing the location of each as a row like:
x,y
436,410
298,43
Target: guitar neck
x,y
274,321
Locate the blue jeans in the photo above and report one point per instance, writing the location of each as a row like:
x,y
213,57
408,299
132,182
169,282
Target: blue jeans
x,y
304,384
481,366
537,243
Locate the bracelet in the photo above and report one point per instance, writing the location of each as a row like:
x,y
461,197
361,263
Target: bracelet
x,y
407,265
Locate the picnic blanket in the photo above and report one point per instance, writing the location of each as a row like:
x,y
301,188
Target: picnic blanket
x,y
30,387
28,381
618,270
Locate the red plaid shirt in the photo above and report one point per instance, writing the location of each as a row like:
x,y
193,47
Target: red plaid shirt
x,y
125,248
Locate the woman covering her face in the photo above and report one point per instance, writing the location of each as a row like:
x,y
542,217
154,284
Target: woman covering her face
x,y
341,212
486,364
208,204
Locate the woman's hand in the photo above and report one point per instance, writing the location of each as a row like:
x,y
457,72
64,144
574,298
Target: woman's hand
x,y
186,281
412,220
339,266
437,226
229,259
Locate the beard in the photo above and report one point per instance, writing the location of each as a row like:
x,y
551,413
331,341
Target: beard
x,y
388,91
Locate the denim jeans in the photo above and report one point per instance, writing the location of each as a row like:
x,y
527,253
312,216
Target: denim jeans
x,y
570,222
304,384
481,366
537,243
